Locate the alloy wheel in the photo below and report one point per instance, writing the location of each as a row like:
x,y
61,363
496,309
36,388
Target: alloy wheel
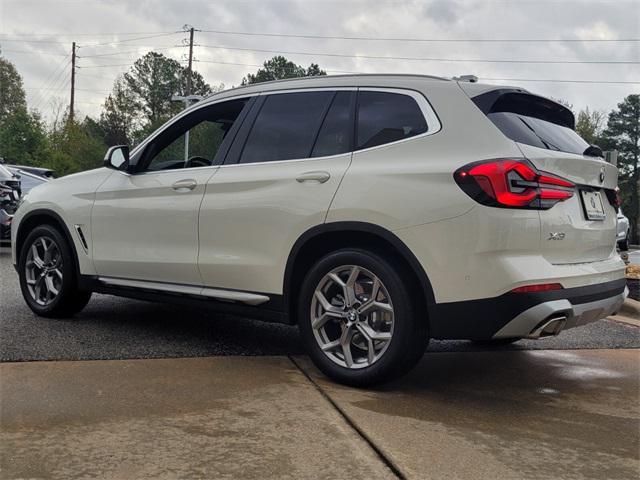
x,y
43,270
352,316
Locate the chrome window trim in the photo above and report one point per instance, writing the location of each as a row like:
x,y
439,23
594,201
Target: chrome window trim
x,y
433,123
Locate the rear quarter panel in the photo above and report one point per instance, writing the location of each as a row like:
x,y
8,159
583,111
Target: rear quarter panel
x,y
411,182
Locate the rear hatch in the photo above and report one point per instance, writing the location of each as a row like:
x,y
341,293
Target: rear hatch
x,y
583,228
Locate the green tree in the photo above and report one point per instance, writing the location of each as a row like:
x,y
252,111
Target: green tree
x,y
590,124
12,95
623,134
75,146
278,68
23,138
152,81
22,133
119,119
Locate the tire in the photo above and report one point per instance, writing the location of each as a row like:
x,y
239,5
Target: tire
x,y
53,270
386,352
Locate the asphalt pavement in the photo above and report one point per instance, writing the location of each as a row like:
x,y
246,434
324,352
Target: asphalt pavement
x,y
117,328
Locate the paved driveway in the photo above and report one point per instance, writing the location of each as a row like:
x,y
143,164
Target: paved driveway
x,y
481,415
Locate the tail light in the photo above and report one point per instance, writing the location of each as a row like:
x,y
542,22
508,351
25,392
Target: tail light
x,y
509,183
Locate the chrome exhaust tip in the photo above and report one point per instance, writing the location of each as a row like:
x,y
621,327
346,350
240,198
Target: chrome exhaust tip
x,y
548,328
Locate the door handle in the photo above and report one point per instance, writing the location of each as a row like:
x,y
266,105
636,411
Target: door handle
x,y
315,177
184,185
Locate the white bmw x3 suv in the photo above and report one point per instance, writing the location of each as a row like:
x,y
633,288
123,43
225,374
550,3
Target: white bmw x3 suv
x,y
373,211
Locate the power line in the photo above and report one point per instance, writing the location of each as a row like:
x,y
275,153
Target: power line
x,y
407,39
481,78
110,65
36,52
80,34
32,41
262,66
127,53
422,59
117,42
53,78
624,82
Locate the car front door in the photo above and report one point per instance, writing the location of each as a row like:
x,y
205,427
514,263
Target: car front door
x,y
144,224
277,182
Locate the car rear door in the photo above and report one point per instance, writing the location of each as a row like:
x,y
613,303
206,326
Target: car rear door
x,y
277,182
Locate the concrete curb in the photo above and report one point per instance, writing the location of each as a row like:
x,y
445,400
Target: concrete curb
x,y
629,313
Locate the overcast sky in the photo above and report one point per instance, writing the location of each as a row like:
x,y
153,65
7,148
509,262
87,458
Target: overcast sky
x,y
36,36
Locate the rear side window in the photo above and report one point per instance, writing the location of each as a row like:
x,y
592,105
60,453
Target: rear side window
x,y
335,134
385,117
286,127
532,120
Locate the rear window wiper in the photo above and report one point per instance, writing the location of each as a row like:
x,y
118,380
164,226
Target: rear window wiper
x,y
547,143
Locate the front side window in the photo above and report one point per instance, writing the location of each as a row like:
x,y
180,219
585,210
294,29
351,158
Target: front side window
x,y
286,126
385,117
195,140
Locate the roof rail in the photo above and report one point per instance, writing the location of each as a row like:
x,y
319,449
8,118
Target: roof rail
x,y
466,78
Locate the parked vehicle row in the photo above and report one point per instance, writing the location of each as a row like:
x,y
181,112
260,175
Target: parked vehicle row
x,y
375,211
16,181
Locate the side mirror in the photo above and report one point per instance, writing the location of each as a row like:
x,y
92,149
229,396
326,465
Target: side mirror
x,y
117,157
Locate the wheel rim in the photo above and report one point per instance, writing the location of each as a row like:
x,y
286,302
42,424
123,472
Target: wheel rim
x,y
43,270
352,316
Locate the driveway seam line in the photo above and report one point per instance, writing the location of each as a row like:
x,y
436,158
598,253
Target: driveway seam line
x,y
377,450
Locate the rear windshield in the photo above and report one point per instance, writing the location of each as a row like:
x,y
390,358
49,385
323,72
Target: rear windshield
x,y
532,120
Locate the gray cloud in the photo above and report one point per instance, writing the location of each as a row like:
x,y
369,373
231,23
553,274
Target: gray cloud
x,y
443,11
422,19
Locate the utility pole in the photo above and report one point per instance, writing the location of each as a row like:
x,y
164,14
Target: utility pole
x,y
73,80
187,101
188,92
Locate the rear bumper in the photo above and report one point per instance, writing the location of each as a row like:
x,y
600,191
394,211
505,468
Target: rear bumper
x,y
526,314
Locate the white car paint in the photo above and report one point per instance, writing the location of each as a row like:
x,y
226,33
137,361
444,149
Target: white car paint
x,y
235,229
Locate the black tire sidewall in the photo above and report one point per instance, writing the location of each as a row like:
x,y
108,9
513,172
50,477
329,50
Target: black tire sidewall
x,y
69,276
409,331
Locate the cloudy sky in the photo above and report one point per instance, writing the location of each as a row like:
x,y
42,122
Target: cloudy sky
x,y
36,36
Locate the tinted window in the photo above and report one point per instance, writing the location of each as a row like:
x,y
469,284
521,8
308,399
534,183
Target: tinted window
x,y
387,117
335,134
207,128
538,133
286,127
532,120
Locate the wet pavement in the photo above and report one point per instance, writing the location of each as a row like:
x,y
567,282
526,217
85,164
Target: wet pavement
x,y
506,415
482,415
224,417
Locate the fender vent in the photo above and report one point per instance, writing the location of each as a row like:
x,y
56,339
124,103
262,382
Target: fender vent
x,y
83,240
